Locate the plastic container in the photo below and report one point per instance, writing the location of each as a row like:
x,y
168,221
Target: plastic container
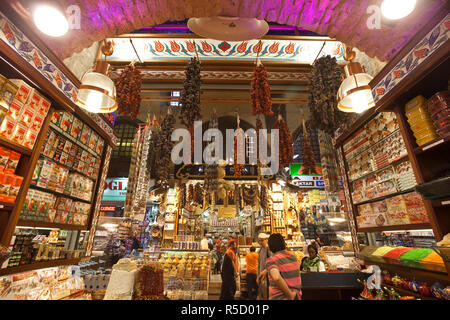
x,y
418,115
422,124
434,262
439,125
424,132
444,132
426,139
438,102
443,114
414,104
414,257
393,256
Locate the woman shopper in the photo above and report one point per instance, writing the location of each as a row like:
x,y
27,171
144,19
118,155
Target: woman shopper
x,y
313,262
284,271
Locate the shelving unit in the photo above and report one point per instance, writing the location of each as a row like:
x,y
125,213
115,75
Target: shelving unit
x,y
15,65
43,224
39,265
426,78
384,197
59,194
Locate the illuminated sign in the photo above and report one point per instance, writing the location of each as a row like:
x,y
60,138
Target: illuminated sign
x,y
302,179
105,208
115,189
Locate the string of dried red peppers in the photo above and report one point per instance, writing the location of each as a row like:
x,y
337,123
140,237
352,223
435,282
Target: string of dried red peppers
x,y
128,87
286,153
260,93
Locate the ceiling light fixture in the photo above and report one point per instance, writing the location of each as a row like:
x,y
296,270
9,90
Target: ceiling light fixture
x,y
97,92
397,9
228,28
355,93
50,19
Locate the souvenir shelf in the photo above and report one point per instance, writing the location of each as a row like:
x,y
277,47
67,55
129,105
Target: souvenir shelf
x,y
45,85
405,77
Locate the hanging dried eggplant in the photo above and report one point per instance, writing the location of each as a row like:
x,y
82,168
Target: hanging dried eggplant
x,y
198,193
249,194
325,79
182,195
260,92
190,196
190,95
286,152
212,170
263,201
164,163
128,88
309,163
238,145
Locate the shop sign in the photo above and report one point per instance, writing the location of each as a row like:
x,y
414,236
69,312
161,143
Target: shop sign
x,y
115,189
304,180
107,208
298,170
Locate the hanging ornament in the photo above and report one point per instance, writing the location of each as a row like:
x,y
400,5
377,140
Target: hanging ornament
x,y
128,86
286,153
238,145
212,170
309,163
260,93
325,79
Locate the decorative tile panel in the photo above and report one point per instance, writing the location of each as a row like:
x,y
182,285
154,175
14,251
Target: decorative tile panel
x,y
418,55
299,51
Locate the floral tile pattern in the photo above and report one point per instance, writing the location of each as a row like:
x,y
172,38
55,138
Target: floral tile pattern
x,y
424,49
12,36
300,51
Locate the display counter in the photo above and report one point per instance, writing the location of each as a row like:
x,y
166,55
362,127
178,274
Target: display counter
x,y
332,285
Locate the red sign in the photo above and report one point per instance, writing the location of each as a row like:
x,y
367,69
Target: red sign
x,y
104,208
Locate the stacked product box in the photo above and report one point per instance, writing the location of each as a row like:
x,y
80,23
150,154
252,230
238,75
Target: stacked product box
x,y
71,126
50,175
420,121
46,207
67,153
9,182
25,117
399,210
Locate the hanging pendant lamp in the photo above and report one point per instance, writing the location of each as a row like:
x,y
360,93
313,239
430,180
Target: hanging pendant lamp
x,y
355,93
97,92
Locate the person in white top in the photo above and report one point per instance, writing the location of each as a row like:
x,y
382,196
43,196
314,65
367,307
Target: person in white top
x,y
204,243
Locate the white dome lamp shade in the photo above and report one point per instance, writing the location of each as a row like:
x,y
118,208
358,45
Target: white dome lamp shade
x,y
97,92
228,28
355,93
49,18
397,9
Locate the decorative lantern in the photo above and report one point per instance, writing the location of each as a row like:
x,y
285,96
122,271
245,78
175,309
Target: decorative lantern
x,y
355,93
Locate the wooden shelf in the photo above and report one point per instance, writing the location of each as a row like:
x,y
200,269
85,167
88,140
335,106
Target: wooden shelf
x,y
404,292
441,202
67,167
434,145
15,147
397,227
33,186
68,136
385,197
403,158
43,224
411,273
6,206
39,265
373,145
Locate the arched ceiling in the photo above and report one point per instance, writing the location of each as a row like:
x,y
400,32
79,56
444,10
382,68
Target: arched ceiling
x,y
344,20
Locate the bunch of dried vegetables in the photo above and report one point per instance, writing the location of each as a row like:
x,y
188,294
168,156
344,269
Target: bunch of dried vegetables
x,y
286,152
128,88
260,92
325,79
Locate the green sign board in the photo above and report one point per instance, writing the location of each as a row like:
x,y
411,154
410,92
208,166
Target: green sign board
x,y
298,170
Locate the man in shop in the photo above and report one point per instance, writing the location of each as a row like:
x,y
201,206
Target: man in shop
x,y
229,273
262,280
284,271
251,259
